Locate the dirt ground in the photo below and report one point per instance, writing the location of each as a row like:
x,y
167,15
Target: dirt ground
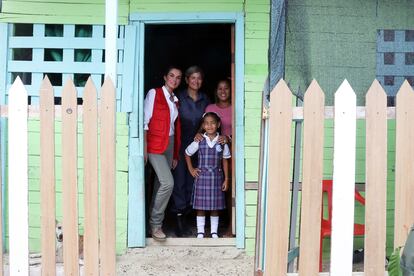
x,y
177,260
168,260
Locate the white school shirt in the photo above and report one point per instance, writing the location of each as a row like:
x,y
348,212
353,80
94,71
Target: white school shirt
x,y
149,108
193,147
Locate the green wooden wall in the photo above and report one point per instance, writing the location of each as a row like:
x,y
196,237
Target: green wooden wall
x,y
256,70
186,5
34,181
60,11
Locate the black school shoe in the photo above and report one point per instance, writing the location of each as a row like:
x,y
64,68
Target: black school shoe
x,y
181,229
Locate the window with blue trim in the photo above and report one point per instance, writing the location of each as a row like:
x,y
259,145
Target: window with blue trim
x,y
60,52
395,60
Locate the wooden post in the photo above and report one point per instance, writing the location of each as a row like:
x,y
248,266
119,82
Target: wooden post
x,y
47,178
18,181
90,183
277,219
343,181
111,38
69,179
310,229
404,163
376,180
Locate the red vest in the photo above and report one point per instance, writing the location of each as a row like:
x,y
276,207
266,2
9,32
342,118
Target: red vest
x,y
159,127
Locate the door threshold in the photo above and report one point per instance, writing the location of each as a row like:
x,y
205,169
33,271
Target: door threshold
x,y
207,242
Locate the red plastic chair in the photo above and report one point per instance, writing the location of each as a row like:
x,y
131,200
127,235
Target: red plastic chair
x,y
326,224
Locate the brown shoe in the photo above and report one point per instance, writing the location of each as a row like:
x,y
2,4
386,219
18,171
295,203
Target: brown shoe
x,y
158,235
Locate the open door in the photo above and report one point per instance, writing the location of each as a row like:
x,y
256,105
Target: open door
x,y
233,163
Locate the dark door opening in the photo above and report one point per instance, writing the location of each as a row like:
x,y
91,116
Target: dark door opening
x,y
183,45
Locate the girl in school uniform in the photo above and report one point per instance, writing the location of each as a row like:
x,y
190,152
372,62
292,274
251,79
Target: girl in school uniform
x,y
211,175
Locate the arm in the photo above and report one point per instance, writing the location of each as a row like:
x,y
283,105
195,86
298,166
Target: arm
x,y
193,171
148,109
145,147
225,185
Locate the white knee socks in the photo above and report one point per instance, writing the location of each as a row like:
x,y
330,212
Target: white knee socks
x,y
201,222
214,221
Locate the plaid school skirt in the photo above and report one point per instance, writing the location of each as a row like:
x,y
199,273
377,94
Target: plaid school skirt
x,y
207,193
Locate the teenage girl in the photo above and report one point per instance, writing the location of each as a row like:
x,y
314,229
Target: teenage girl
x,y
211,175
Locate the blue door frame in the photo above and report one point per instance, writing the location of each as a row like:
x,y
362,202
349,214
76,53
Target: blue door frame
x,y
136,197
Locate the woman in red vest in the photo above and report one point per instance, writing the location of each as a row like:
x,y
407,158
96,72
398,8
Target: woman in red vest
x,y
162,133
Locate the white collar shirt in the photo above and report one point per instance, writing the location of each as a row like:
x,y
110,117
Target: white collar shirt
x,y
194,146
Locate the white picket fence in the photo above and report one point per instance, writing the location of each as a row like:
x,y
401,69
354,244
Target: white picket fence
x,y
99,125
275,223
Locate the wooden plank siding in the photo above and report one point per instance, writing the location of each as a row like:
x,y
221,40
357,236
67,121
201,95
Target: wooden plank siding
x,y
257,19
60,12
186,6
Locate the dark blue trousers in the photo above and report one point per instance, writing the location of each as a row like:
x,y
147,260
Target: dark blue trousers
x,y
183,186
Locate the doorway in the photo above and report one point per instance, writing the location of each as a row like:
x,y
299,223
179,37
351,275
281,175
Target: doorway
x,y
184,45
134,39
208,46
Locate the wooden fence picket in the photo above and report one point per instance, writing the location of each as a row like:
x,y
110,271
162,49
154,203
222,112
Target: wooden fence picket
x,y
69,179
47,177
343,181
376,180
277,217
107,157
404,163
312,179
90,183
18,181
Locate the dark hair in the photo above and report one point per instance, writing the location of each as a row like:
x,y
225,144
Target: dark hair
x,y
169,68
215,116
228,82
194,69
